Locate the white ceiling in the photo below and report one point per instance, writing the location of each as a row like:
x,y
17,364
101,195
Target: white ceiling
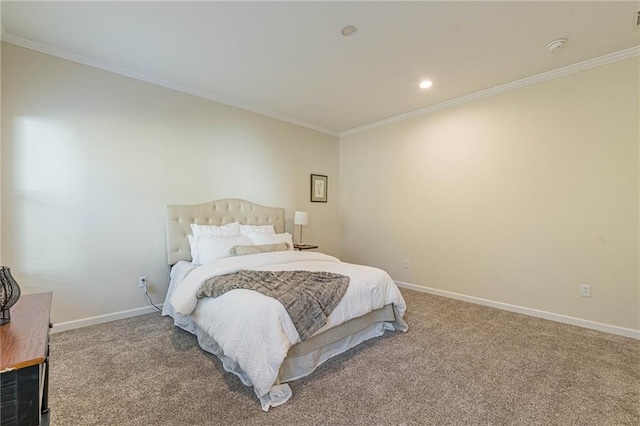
x,y
288,59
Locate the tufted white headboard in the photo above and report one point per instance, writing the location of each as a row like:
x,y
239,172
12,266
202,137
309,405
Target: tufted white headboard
x,y
220,212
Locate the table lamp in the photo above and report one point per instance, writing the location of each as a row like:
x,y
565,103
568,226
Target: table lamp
x,y
301,218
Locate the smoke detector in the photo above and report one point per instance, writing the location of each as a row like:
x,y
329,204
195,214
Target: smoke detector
x,y
556,45
349,31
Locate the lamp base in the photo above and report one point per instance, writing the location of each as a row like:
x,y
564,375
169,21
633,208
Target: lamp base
x,y
5,316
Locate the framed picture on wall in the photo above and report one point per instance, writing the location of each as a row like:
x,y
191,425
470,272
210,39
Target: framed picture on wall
x,y
318,189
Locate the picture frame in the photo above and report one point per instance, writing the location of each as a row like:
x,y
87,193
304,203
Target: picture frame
x,y
319,187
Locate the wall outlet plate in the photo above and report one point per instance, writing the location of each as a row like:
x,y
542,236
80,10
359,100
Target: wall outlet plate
x,y
142,281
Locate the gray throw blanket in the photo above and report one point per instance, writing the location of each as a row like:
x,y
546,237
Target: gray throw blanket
x,y
309,297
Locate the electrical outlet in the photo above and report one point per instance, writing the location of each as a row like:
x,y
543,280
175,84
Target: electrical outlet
x,y
585,290
142,281
406,264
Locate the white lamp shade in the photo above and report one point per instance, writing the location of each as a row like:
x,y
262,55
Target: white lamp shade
x,y
301,218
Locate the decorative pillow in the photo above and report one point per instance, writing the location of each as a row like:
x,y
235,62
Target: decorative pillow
x,y
228,230
261,229
260,239
265,248
211,247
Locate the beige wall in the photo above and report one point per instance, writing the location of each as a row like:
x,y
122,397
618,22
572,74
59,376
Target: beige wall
x,y
90,159
518,198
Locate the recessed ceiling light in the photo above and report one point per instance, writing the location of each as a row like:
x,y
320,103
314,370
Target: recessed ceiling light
x,y
425,84
349,31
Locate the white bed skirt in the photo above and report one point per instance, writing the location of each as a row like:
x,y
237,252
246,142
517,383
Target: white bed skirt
x,y
296,368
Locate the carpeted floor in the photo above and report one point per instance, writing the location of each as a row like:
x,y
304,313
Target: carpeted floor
x,y
459,364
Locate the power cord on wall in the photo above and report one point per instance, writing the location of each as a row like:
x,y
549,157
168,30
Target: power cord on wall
x,y
146,294
142,283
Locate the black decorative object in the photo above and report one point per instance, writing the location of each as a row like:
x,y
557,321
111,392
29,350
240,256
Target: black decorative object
x,y
9,294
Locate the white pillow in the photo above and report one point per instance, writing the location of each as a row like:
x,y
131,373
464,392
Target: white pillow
x,y
195,256
211,247
260,229
228,230
261,239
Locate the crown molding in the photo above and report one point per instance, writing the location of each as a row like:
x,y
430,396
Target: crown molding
x,y
60,53
560,72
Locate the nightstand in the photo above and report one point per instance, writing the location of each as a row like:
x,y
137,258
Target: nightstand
x,y
301,247
24,362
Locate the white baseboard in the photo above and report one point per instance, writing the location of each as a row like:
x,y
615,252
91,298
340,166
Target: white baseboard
x,y
612,329
85,322
565,319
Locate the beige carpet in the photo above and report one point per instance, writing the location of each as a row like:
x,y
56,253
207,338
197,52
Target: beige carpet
x,y
459,364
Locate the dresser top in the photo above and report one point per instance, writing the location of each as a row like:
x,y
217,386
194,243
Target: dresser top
x,y
24,339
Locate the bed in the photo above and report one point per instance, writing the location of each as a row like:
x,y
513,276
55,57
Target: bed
x,y
252,334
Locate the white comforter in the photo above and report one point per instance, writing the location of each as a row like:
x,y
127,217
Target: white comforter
x,y
254,330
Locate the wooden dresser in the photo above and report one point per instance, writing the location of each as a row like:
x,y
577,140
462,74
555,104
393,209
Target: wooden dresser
x,y
24,369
